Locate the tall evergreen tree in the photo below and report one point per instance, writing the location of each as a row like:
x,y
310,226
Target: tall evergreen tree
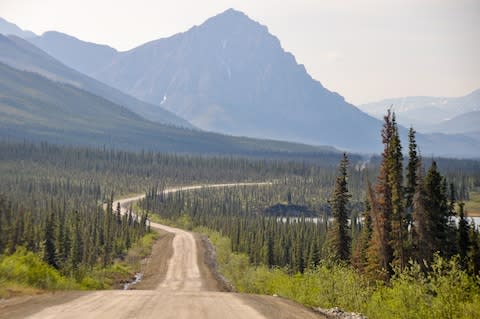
x,y
118,213
378,251
395,180
49,252
314,254
412,167
359,258
463,235
77,244
474,252
437,210
339,235
421,234
381,206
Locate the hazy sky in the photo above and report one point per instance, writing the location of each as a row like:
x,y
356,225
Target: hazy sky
x,y
364,50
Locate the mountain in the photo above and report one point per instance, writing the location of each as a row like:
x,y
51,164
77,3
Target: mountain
x,y
22,55
426,113
230,75
85,57
35,108
464,123
8,28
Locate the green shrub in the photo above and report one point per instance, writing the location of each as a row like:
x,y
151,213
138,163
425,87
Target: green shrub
x,y
90,283
26,268
406,297
445,292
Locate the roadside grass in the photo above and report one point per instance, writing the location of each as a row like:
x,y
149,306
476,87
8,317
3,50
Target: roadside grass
x,y
141,250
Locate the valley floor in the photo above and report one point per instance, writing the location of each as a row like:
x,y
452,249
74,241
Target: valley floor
x,y
178,283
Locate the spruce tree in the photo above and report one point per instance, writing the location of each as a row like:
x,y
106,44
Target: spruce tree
x,y
359,258
377,254
395,180
474,252
380,253
63,240
463,236
339,235
118,213
437,211
412,167
298,260
77,244
49,252
314,254
421,234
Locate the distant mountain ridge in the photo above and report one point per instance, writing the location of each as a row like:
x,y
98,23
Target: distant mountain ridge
x,y
22,55
8,28
426,113
85,57
464,123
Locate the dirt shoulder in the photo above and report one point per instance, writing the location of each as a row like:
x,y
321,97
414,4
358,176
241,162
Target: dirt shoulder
x,y
156,265
212,280
279,308
21,307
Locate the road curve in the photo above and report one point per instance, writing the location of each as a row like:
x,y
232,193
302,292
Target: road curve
x,y
180,295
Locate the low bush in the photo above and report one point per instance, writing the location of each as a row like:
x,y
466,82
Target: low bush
x,y
27,269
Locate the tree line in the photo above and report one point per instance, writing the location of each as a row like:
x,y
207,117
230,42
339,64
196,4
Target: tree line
x,y
71,236
56,200
50,193
408,214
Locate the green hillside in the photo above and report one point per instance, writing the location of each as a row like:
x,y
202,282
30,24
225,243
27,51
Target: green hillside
x,y
22,55
35,108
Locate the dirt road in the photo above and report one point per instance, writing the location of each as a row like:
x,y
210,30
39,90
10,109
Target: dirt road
x,y
182,293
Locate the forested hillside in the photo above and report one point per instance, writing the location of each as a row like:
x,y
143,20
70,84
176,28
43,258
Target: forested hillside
x,y
22,55
37,109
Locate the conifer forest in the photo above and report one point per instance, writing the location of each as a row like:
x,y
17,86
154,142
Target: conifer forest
x,y
381,221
